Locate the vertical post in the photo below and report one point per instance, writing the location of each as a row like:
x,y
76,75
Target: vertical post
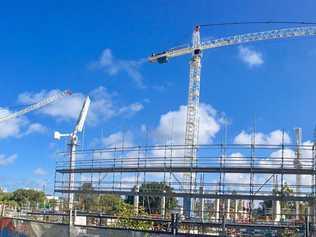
x,y
251,181
244,205
163,205
228,210
236,209
297,165
201,203
174,223
223,232
307,223
313,201
73,144
217,209
3,210
136,199
282,177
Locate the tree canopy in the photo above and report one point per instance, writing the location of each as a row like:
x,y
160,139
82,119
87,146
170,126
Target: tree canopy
x,y
152,204
23,197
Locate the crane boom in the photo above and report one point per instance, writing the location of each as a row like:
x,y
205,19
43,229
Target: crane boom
x,y
236,39
36,106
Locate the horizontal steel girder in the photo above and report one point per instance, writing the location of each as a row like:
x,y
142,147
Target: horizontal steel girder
x,y
257,170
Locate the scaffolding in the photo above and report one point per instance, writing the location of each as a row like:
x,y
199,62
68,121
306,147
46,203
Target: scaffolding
x,y
231,179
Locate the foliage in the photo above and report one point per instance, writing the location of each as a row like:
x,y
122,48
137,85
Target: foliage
x,y
87,200
125,216
52,203
91,202
152,204
22,198
288,233
28,197
286,206
110,203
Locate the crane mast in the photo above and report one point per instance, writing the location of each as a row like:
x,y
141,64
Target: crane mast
x,y
192,119
72,156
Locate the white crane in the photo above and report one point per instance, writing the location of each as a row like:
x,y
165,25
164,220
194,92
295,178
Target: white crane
x,y
35,106
192,119
72,153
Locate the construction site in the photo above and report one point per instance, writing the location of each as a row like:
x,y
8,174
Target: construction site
x,y
218,189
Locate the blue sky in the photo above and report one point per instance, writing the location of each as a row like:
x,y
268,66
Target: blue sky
x,y
98,48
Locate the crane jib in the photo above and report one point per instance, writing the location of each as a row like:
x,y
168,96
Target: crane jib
x,y
163,57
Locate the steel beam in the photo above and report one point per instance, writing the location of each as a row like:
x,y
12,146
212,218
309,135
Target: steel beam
x,y
257,170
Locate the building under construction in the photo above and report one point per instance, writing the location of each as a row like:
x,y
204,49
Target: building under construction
x,y
227,187
221,189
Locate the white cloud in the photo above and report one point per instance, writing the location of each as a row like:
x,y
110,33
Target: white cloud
x,y
102,106
275,159
131,109
12,127
40,172
118,139
6,160
112,66
250,56
36,128
171,128
17,127
273,138
237,159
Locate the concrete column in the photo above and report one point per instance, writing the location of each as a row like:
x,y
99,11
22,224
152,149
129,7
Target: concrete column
x,y
202,204
163,205
245,206
276,206
217,209
136,199
297,210
2,209
241,210
236,209
277,211
228,210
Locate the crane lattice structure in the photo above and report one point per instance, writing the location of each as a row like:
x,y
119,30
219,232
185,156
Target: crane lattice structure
x,y
35,106
192,119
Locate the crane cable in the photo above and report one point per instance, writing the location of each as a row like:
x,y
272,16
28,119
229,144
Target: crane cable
x,y
257,22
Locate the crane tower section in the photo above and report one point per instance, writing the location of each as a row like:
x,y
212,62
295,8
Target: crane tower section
x,y
192,119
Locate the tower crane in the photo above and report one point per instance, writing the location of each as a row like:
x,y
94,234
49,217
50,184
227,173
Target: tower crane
x,y
73,136
35,106
195,49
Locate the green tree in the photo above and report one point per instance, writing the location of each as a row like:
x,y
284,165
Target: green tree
x,y
52,203
286,206
152,203
87,200
125,214
110,203
28,197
